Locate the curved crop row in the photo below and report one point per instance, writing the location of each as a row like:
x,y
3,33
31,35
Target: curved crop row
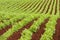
x,y
27,33
50,28
18,26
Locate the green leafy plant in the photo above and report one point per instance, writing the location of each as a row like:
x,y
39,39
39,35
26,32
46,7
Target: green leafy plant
x,y
50,29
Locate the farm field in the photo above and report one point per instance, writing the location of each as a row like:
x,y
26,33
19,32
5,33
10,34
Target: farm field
x,y
29,19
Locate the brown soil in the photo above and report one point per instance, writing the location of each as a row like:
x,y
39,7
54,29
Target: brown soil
x,y
56,36
5,29
35,36
17,34
40,31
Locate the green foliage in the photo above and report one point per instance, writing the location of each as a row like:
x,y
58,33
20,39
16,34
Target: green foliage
x,y
26,35
19,13
50,28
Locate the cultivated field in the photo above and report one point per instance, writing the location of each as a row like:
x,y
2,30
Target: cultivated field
x,y
29,19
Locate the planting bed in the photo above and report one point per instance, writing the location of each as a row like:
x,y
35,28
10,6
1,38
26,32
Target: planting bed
x,y
30,20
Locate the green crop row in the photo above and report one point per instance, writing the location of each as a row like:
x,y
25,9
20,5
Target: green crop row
x,y
27,33
24,11
18,26
50,28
